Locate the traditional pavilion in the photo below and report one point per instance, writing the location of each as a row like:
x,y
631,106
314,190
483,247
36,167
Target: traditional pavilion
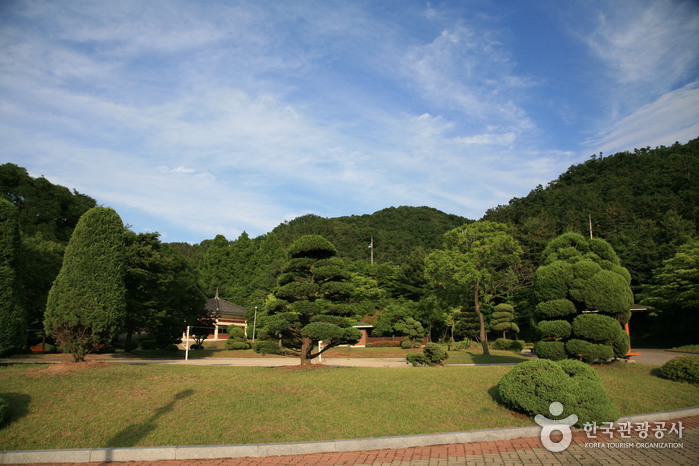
x,y
226,313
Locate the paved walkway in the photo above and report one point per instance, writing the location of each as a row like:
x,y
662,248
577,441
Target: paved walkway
x,y
671,449
655,357
615,447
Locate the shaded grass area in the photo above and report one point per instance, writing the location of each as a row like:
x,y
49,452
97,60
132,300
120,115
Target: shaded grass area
x,y
107,405
475,356
688,348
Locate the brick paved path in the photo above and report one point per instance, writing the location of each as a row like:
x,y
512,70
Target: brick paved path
x,y
634,450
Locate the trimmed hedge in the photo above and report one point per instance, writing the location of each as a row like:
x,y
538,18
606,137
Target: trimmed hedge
x,y
555,309
234,344
383,344
532,386
587,351
681,369
235,331
508,345
406,344
554,329
621,344
596,328
553,350
551,281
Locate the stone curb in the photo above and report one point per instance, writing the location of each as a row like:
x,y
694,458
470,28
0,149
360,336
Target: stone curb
x,y
298,448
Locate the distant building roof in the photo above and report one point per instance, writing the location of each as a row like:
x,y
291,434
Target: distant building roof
x,y
221,307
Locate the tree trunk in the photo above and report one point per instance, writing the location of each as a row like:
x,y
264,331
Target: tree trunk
x,y
127,342
481,321
306,348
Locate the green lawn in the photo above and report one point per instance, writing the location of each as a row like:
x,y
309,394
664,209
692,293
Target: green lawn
x,y
151,405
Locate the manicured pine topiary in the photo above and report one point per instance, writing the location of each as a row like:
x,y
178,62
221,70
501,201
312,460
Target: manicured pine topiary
x,y
432,355
86,304
532,386
501,320
584,297
312,300
13,324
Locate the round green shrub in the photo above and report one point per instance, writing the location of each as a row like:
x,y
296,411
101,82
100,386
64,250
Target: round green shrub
x,y
681,369
266,347
435,354
621,344
554,350
596,328
235,331
501,344
554,329
555,309
406,343
603,250
233,344
552,281
592,401
417,359
574,241
4,408
532,386
508,345
587,351
585,269
608,293
517,345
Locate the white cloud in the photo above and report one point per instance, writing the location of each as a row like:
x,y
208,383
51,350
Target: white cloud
x,y
648,42
674,117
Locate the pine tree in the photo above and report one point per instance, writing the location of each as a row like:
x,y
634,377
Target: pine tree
x,y
12,317
503,319
87,302
311,302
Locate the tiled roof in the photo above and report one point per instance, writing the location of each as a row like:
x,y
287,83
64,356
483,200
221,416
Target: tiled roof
x,y
219,307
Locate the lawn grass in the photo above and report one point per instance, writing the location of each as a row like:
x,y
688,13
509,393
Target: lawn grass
x,y
689,348
111,405
216,349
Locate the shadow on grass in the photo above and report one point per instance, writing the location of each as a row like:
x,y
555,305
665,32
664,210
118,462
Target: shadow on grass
x,y
18,406
132,434
495,394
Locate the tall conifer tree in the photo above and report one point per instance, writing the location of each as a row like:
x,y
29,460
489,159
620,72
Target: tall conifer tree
x,y
87,301
12,317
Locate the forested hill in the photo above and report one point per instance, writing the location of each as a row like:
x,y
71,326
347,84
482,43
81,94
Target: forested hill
x,y
645,203
396,231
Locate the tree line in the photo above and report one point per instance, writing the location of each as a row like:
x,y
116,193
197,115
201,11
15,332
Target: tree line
x,y
643,203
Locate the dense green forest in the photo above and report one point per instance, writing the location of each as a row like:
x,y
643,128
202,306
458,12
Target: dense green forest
x,y
643,203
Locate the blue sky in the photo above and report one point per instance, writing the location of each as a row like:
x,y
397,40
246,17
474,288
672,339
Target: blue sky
x,y
216,117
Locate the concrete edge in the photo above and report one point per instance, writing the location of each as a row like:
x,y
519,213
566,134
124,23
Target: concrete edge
x,y
297,448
